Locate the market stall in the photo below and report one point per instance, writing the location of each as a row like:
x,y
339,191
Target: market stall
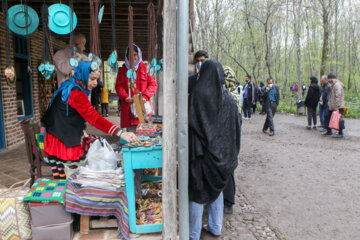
x,y
88,190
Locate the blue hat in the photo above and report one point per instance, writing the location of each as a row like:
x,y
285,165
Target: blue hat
x,y
101,13
59,19
17,20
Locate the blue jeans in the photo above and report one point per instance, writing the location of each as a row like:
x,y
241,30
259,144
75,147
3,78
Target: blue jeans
x,y
215,217
247,108
322,113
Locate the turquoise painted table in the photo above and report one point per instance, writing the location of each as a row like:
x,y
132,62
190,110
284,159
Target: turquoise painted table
x,y
140,158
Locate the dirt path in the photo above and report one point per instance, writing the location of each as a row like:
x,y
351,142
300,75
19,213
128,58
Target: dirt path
x,y
307,186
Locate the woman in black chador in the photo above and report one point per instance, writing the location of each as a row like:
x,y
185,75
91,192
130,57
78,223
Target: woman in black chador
x,y
214,145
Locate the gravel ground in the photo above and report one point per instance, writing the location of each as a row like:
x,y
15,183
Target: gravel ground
x,y
305,185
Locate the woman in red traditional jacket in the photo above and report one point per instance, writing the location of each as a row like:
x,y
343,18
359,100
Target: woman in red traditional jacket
x,y
65,120
144,83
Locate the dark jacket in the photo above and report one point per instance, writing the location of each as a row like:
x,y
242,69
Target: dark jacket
x,y
325,91
252,92
266,97
313,95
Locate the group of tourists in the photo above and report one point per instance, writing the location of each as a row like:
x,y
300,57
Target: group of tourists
x,y
329,98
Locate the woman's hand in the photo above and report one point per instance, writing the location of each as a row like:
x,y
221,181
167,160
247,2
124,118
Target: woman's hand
x,y
129,100
128,136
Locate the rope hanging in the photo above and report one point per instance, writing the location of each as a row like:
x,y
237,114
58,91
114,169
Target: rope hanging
x,y
113,29
94,28
26,10
151,31
71,5
7,41
131,37
46,53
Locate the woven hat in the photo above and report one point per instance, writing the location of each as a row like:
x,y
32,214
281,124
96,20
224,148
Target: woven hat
x,y
17,20
59,19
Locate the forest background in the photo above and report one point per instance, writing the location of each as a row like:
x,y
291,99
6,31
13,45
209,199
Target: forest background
x,y
287,40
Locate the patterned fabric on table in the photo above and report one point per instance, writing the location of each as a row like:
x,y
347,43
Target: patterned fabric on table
x,y
45,190
97,202
40,137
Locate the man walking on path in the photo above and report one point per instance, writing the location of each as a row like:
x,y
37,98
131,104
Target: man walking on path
x,y
323,105
336,102
271,96
249,96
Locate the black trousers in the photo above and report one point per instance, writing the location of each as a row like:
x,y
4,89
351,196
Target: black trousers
x,y
328,117
104,108
229,191
270,113
311,115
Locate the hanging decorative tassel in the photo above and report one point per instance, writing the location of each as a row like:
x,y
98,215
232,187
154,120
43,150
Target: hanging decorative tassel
x,y
151,31
153,66
94,28
112,61
131,74
46,68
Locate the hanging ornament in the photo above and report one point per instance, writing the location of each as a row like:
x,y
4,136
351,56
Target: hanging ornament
x,y
112,61
9,70
10,76
46,68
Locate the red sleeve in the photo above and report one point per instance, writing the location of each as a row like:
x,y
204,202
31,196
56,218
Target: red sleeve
x,y
120,85
150,88
80,102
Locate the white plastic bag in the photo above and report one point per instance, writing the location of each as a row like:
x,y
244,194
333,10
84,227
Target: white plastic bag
x,y
101,156
147,106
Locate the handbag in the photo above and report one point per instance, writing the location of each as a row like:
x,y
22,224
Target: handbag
x,y
14,213
335,120
147,106
342,123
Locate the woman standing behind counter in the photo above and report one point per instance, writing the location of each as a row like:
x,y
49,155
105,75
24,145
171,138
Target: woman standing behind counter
x,y
65,120
144,83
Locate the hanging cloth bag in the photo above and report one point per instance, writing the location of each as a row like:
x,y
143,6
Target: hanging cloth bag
x,y
335,120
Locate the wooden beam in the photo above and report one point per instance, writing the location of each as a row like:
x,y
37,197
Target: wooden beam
x,y
169,124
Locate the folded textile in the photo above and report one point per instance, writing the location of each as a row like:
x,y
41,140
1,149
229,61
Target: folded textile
x,y
93,201
106,179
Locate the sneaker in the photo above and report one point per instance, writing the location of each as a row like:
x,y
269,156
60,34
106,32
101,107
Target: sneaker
x,y
207,231
314,127
338,136
245,118
327,133
308,127
228,209
271,133
265,131
107,115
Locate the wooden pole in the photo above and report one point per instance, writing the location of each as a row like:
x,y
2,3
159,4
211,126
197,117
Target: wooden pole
x,y
169,123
